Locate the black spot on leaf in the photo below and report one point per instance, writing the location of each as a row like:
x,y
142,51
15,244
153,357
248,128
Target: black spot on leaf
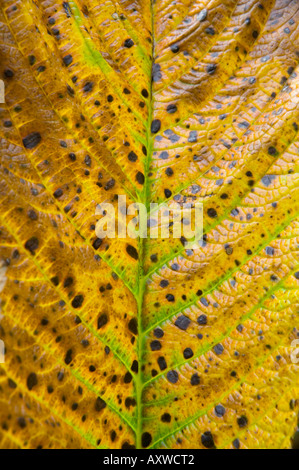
x,y
172,376
31,381
133,325
242,421
195,379
68,357
32,140
102,320
32,245
131,250
182,322
155,126
129,43
146,439
207,440
68,59
171,108
218,349
155,345
77,301
162,363
99,404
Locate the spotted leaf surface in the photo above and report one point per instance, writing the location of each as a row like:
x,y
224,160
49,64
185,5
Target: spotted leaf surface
x,y
142,342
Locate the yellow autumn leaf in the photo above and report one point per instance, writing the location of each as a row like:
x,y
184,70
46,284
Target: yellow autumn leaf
x,y
146,342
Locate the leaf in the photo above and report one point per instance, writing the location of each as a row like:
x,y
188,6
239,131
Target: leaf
x,y
122,343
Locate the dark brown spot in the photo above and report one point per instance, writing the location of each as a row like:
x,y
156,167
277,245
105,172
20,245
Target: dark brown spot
x,y
68,59
32,140
155,126
242,421
182,322
99,404
32,245
68,357
132,156
155,345
146,439
195,379
162,363
212,213
77,301
140,177
171,108
133,325
11,384
97,243
166,418
131,250
102,320
22,422
207,440
31,381
129,43
172,376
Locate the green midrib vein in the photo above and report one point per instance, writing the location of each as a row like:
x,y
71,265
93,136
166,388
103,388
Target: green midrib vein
x,y
145,199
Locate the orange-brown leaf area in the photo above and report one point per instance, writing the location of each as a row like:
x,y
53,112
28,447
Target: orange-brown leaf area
x,y
124,343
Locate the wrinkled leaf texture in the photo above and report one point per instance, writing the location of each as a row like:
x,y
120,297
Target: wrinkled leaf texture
x,y
142,343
